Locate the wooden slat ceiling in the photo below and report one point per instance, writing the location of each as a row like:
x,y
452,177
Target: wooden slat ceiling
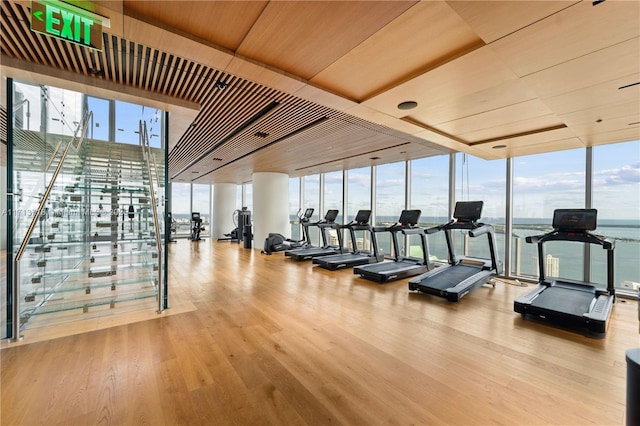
x,y
314,86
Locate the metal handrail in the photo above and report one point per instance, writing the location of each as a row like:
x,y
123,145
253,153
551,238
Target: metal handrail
x,y
16,261
53,155
144,143
155,165
47,192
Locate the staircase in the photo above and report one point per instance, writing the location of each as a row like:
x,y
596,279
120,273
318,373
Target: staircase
x,y
95,245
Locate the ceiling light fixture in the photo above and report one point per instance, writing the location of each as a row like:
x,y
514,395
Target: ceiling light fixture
x,y
407,105
221,85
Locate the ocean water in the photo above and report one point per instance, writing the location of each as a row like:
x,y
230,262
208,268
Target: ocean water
x,y
626,236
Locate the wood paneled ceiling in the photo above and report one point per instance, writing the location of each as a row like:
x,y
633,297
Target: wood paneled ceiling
x,y
302,87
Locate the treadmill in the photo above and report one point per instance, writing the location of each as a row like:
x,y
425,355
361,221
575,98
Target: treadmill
x,y
401,266
356,256
306,253
462,274
576,305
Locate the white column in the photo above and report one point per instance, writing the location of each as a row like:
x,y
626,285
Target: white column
x,y
270,206
224,204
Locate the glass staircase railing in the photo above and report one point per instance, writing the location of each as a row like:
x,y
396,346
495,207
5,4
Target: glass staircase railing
x,y
87,223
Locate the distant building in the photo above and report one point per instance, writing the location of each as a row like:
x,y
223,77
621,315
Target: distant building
x,y
552,266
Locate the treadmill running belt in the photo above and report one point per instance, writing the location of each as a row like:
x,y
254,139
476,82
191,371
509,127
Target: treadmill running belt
x,y
451,276
563,300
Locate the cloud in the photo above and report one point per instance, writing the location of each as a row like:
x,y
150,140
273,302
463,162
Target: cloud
x,y
360,179
333,178
627,174
552,182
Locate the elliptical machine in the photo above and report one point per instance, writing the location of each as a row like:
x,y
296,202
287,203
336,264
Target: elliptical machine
x,y
278,242
196,226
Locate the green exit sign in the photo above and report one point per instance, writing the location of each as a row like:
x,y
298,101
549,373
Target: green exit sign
x,y
67,22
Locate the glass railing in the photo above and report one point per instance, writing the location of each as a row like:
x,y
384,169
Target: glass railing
x,y
87,224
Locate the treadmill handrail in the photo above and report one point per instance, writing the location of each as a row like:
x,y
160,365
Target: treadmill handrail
x,y
481,230
476,229
354,226
435,229
458,224
582,237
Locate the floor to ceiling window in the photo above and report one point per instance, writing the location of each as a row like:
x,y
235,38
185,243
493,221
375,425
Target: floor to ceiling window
x,y
541,184
358,191
333,193
358,198
239,200
482,180
128,123
201,203
311,199
248,196
333,200
616,196
390,201
181,208
295,208
430,194
101,128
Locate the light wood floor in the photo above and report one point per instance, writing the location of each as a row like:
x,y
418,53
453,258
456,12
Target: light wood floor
x,y
256,339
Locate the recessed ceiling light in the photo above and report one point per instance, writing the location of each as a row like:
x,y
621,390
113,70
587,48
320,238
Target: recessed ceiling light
x,y
407,105
499,146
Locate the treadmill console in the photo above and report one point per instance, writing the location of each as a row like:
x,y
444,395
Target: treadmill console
x,y
331,216
468,211
363,216
195,216
409,218
575,220
308,213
